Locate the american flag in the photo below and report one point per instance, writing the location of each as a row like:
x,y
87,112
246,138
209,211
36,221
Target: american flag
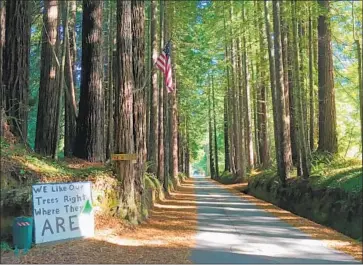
x,y
164,64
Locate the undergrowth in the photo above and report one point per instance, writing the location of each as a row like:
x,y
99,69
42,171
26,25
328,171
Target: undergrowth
x,y
326,172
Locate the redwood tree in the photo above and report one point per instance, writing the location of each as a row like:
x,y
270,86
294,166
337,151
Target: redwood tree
x,y
138,44
49,91
124,111
282,125
70,95
16,65
327,114
89,142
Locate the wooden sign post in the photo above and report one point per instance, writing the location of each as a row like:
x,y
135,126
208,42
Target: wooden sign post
x,y
123,157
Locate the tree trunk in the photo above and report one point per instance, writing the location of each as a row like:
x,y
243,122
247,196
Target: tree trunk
x,y
160,150
247,98
70,95
138,44
89,143
237,137
284,152
16,66
311,86
225,127
154,135
2,44
124,112
263,143
284,44
215,131
210,133
327,114
187,153
272,81
301,140
49,92
111,85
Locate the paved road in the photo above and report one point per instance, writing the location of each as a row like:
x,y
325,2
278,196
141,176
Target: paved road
x,y
234,230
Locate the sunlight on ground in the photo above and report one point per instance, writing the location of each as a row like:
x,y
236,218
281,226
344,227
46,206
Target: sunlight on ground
x,y
165,238
329,236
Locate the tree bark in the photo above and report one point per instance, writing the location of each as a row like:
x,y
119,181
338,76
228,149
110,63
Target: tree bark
x,y
138,44
237,137
89,143
111,84
327,114
301,139
226,133
210,133
16,66
215,131
161,125
247,99
263,143
284,47
311,86
174,100
49,92
272,82
124,112
154,135
2,44
284,152
70,125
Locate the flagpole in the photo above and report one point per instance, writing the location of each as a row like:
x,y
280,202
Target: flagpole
x,y
148,75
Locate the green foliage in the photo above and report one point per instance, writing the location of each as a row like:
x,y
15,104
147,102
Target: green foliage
x,y
5,247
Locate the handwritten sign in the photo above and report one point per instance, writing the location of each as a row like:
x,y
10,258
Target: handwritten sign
x,y
123,157
62,211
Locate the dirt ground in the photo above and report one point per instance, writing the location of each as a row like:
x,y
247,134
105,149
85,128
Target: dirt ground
x,y
165,238
333,238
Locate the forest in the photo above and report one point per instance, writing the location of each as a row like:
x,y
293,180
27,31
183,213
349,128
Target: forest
x,y
261,90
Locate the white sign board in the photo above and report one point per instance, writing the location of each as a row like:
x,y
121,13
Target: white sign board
x,y
62,211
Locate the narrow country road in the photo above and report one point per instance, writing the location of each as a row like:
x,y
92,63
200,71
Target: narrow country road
x,y
233,230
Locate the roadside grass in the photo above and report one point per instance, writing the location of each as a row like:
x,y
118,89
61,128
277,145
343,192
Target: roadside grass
x,y
15,158
326,172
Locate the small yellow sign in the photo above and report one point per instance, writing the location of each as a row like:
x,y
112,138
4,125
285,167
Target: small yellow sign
x,y
123,157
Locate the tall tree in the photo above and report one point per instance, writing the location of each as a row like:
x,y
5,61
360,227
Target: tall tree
x,y
161,125
153,137
210,133
360,73
283,139
301,139
70,93
2,44
311,85
89,142
263,143
173,97
16,66
272,80
49,91
124,111
226,133
215,130
327,114
110,84
138,44
247,96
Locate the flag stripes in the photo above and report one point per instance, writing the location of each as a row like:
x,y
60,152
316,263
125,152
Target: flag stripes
x,y
164,64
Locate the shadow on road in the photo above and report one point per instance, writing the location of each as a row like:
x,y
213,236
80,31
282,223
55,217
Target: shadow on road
x,y
232,229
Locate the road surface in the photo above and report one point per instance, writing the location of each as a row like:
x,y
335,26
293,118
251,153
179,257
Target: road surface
x,y
233,230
